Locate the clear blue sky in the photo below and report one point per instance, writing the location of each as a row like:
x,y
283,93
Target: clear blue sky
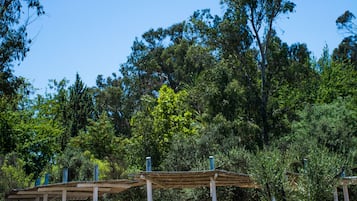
x,y
94,37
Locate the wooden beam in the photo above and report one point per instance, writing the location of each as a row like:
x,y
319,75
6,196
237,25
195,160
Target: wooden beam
x,y
29,193
21,196
50,194
74,189
103,185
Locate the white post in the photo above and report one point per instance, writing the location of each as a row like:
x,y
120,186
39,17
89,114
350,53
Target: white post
x,y
345,193
64,195
335,195
95,193
149,189
148,182
212,183
213,189
45,197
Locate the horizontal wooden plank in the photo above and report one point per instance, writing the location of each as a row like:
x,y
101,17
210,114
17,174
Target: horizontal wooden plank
x,y
74,189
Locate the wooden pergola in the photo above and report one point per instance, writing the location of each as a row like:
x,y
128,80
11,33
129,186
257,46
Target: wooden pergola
x,y
83,190
72,190
196,179
158,180
345,182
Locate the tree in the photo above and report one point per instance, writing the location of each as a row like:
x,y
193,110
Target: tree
x,y
8,137
163,56
320,175
155,127
261,15
337,79
110,98
80,106
101,142
331,125
14,42
345,22
12,174
347,49
269,168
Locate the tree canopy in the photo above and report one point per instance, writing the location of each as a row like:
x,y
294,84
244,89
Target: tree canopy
x,y
223,85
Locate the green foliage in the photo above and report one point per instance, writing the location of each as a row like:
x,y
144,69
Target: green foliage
x,y
80,105
320,176
345,21
182,154
110,98
225,85
325,135
8,138
155,127
337,80
12,173
331,125
269,169
79,164
101,142
14,42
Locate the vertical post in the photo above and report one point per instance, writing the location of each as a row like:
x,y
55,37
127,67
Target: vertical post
x,y
148,182
45,197
38,182
148,164
95,193
211,163
345,193
64,180
64,195
212,182
335,195
95,188
47,179
213,189
65,175
96,173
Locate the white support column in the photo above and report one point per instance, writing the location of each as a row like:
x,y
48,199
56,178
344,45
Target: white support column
x,y
335,195
95,193
148,182
213,189
212,183
345,193
45,197
64,195
149,189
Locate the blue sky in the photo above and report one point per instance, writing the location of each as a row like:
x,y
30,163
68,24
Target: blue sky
x,y
94,37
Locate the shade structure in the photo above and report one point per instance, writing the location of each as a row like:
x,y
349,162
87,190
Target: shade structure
x,y
197,179
73,190
84,190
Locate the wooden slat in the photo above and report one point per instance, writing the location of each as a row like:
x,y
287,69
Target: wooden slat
x,y
74,189
103,185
